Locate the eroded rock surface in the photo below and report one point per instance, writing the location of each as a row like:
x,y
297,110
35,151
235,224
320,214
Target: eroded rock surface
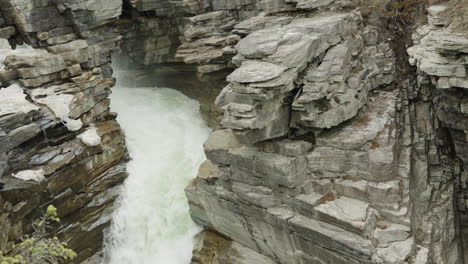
x,y
440,54
211,248
59,143
324,154
322,157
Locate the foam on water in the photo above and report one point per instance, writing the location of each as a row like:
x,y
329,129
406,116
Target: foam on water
x,y
165,134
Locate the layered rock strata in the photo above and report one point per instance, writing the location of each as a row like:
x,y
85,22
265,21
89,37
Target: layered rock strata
x,y
59,143
321,156
210,248
320,160
440,54
189,31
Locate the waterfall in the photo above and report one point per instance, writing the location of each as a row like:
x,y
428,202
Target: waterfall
x,y
165,135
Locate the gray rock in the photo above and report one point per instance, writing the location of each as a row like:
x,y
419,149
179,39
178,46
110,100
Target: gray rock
x,y
436,16
255,71
387,233
209,244
33,135
372,183
397,252
7,32
36,65
259,22
275,6
23,134
422,257
260,43
346,213
286,147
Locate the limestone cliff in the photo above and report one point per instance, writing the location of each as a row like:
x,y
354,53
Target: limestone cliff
x,y
342,139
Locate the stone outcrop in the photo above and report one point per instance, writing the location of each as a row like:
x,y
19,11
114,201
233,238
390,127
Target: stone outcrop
x,y
321,157
190,31
335,70
210,248
149,40
59,143
326,152
440,55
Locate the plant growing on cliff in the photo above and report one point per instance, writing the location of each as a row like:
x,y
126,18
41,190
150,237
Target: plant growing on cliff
x,y
38,248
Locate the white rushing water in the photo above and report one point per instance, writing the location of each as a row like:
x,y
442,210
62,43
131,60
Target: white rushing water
x,y
165,135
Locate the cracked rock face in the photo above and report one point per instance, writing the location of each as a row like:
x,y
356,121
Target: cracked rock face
x,y
322,154
59,143
366,174
440,56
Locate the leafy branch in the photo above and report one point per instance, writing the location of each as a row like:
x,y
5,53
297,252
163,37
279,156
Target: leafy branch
x,y
38,248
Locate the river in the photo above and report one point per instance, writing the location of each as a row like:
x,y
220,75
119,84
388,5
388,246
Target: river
x,y
165,135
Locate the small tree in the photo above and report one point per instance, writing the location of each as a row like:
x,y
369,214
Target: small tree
x,y
38,248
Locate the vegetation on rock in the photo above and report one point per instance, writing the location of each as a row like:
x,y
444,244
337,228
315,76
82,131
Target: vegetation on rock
x,y
38,248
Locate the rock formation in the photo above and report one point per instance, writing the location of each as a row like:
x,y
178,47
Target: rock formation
x,y
327,155
59,144
336,145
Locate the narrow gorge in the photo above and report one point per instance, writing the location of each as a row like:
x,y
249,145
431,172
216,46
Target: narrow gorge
x,y
236,131
165,135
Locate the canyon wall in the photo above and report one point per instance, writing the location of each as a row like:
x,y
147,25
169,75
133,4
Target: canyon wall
x,y
332,149
335,144
59,143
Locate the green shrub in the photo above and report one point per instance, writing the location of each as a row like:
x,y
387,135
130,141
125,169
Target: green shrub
x,y
38,248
